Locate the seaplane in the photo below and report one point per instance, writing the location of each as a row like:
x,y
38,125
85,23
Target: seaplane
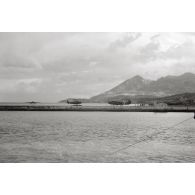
x,y
119,102
75,102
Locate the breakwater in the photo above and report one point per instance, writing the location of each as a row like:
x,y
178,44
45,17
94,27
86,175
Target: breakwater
x,y
96,108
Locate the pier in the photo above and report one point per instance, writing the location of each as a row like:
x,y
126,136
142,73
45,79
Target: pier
x,y
94,108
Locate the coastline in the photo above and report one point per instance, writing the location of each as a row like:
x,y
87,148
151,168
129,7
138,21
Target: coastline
x,y
95,108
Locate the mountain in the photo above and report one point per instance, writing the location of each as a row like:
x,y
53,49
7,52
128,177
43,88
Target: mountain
x,y
171,85
133,86
138,86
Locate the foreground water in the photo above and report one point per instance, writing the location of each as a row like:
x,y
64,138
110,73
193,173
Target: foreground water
x,y
94,136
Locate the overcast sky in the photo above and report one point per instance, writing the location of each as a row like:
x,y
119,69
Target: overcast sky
x,y
53,66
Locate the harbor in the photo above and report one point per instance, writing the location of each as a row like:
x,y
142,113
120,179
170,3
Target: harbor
x,y
105,137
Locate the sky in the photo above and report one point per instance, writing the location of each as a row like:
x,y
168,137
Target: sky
x,y
50,67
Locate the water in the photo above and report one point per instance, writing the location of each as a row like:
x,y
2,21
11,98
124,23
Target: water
x,y
94,136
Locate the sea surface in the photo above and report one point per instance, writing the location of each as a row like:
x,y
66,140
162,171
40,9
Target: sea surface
x,y
96,137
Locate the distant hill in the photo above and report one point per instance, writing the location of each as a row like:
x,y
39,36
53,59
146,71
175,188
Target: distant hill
x,y
179,99
140,88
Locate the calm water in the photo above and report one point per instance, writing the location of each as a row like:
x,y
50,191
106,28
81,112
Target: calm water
x,y
94,136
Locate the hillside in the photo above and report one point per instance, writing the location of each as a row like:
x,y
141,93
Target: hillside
x,y
140,87
179,99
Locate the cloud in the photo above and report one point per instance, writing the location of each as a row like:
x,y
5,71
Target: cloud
x,y
124,41
53,66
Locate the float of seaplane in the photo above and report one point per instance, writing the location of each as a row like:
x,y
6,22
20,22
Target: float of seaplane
x,y
74,101
119,102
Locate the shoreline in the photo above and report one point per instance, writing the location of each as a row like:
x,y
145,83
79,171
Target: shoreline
x,y
96,108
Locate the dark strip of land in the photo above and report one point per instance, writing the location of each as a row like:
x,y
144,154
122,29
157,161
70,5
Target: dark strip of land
x,y
97,108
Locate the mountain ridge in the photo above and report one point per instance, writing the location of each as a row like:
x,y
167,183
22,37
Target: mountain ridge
x,y
164,86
